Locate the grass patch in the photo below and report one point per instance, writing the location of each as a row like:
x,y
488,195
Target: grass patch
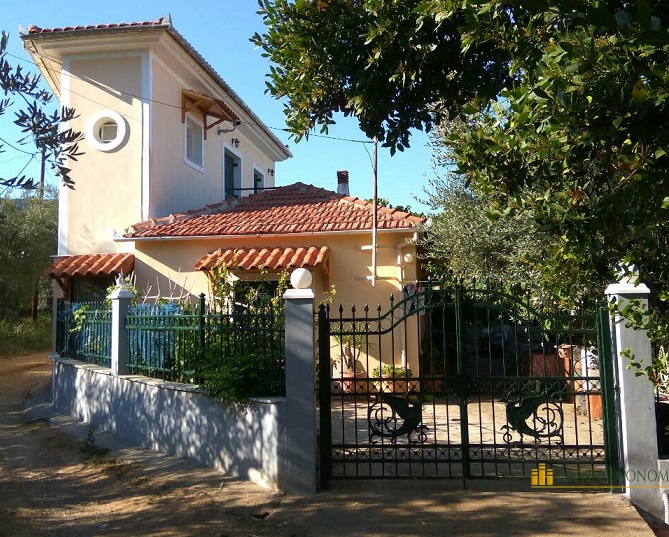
x,y
23,336
97,456
112,466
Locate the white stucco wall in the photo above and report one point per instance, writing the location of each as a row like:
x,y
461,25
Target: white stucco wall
x,y
107,191
177,419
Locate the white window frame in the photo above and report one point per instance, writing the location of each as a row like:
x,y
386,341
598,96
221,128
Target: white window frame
x,y
94,127
191,121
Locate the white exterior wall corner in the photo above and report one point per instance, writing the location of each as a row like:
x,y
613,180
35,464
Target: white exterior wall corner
x,y
147,133
63,191
177,419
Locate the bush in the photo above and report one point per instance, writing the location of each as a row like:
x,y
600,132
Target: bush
x,y
239,377
22,336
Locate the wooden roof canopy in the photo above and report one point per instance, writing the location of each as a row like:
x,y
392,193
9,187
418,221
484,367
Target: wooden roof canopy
x,y
208,106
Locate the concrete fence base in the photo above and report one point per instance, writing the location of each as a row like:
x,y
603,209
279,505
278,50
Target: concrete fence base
x,y
178,419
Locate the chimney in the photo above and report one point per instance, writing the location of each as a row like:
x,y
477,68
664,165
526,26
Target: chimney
x,y
342,183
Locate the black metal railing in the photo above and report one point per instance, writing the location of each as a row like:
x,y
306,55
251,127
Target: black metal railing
x,y
83,331
465,382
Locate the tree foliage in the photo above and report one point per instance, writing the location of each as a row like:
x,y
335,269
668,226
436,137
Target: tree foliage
x,y
552,108
579,139
28,236
394,65
54,141
464,242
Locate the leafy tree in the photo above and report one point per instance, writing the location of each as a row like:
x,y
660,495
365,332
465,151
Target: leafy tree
x,y
54,142
579,139
464,242
28,236
384,202
553,108
395,66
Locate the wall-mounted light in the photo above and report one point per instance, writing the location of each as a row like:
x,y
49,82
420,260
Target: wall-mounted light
x,y
408,257
235,142
270,171
235,124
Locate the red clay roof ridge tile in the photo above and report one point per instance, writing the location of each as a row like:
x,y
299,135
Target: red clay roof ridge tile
x,y
34,29
295,208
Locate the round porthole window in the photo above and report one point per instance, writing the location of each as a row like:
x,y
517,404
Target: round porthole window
x,y
105,130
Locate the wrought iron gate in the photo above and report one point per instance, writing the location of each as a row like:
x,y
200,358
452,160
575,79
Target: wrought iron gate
x,y
464,383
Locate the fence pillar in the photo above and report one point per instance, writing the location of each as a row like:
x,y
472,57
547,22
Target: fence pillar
x,y
120,299
636,397
301,438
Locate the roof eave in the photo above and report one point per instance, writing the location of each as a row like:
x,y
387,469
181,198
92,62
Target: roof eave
x,y
405,230
36,38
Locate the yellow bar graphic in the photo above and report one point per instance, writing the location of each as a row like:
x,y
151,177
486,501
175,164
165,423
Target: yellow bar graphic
x,y
542,474
549,477
534,477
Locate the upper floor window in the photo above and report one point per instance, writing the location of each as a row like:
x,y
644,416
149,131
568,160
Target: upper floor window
x,y
194,143
232,175
106,130
258,181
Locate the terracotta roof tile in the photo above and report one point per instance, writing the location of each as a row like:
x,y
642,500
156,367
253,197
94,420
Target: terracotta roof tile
x,y
296,208
92,265
270,258
32,29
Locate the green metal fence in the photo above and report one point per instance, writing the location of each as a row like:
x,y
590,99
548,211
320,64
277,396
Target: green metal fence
x,y
177,343
83,331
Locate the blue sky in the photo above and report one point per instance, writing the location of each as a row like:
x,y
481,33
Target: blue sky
x,y
220,31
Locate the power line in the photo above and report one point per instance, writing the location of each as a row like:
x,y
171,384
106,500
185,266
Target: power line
x,y
178,107
17,148
17,158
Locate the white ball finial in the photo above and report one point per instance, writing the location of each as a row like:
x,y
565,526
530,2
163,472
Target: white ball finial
x,y
301,278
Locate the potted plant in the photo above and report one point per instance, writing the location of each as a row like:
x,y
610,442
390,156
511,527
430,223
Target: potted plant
x,y
348,366
393,379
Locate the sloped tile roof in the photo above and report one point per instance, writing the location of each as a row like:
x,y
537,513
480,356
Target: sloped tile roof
x,y
85,265
296,208
270,258
162,23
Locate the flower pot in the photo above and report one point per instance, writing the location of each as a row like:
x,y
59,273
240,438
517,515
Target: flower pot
x,y
354,382
433,384
595,407
394,385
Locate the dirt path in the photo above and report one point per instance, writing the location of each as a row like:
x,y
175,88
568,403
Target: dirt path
x,y
48,486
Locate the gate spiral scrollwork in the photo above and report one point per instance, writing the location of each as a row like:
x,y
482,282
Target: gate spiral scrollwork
x,y
538,415
392,417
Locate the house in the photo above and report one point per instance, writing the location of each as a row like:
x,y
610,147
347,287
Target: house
x,y
178,179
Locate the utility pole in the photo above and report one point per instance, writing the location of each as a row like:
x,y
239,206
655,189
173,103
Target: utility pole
x,y
35,301
375,221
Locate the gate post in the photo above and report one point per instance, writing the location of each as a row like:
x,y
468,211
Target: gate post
x,y
636,400
120,298
301,459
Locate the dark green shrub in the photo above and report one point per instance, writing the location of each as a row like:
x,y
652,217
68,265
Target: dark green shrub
x,y
240,376
22,336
